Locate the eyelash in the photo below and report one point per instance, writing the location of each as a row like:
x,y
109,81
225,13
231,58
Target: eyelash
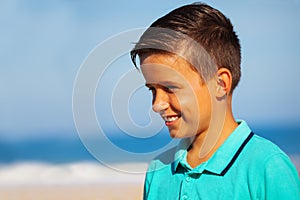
x,y
169,89
151,88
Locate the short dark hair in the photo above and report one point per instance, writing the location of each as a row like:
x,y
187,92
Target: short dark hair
x,y
206,26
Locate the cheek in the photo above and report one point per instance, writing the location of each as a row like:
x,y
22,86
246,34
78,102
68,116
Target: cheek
x,y
196,103
187,102
204,104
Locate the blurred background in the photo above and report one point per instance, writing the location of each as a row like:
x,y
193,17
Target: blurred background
x,y
44,43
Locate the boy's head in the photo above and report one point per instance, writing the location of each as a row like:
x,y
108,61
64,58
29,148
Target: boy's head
x,y
190,59
200,34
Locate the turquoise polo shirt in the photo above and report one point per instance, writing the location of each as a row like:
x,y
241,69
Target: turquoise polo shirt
x,y
246,166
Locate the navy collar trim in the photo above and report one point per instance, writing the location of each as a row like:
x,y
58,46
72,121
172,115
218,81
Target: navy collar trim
x,y
237,154
182,154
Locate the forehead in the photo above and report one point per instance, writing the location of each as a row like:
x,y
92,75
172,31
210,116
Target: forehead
x,y
168,60
167,67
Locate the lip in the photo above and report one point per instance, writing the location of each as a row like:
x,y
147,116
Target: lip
x,y
170,120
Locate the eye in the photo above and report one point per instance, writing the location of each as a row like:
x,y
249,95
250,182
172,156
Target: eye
x,y
171,88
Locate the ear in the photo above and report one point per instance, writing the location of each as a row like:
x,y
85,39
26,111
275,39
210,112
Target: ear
x,y
224,82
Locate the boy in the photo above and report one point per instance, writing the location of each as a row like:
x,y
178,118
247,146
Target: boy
x,y
190,59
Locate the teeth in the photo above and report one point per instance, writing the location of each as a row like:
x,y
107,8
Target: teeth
x,y
170,119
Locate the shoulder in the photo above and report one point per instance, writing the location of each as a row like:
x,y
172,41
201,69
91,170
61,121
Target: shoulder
x,y
262,148
270,154
264,158
269,172
272,170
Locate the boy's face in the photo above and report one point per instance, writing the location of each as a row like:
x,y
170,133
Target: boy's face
x,y
180,96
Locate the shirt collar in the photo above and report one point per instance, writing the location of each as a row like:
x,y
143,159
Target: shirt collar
x,y
222,159
181,153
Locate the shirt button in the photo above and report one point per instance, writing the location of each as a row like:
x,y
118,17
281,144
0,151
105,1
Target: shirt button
x,y
184,197
188,179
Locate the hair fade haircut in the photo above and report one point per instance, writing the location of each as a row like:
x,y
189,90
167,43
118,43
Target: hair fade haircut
x,y
208,27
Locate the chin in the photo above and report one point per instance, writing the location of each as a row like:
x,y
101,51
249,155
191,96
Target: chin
x,y
174,134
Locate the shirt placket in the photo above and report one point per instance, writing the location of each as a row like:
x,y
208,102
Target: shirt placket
x,y
187,186
190,178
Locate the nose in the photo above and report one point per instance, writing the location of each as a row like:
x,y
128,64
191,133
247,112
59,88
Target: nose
x,y
160,102
158,107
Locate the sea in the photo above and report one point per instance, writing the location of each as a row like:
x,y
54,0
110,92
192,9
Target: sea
x,y
57,160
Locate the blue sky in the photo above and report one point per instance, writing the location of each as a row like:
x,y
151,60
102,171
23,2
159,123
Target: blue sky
x,y
43,44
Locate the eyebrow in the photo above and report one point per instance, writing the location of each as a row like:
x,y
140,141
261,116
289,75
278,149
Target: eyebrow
x,y
169,83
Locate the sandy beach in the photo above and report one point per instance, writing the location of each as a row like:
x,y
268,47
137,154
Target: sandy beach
x,y
74,181
73,192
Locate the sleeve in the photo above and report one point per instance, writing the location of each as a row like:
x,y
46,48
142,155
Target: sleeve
x,y
148,180
281,178
146,187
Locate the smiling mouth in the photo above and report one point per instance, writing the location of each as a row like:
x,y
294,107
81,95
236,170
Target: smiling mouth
x,y
170,120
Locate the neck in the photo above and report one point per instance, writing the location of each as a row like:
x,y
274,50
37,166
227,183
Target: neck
x,y
208,142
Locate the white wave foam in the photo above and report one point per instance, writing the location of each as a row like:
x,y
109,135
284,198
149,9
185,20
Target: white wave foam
x,y
30,173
